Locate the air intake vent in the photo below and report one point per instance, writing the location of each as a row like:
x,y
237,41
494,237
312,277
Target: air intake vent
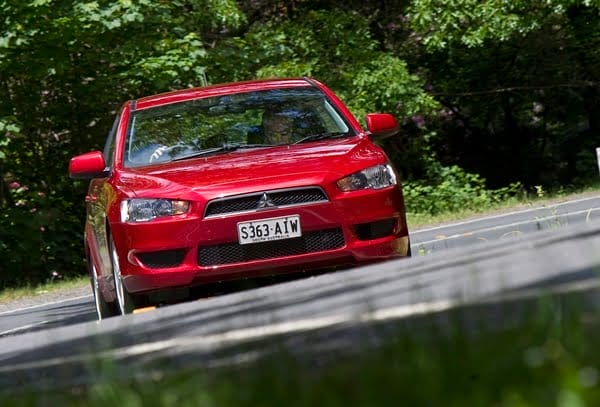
x,y
375,230
310,242
162,259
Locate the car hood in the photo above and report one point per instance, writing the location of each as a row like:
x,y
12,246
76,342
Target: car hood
x,y
250,170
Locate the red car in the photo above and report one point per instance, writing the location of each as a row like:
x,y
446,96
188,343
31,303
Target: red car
x,y
233,181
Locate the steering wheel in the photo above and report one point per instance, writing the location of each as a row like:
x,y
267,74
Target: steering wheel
x,y
158,155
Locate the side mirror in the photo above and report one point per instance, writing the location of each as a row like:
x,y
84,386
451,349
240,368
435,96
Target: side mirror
x,y
87,166
381,125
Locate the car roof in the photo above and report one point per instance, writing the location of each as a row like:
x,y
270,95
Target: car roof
x,y
220,89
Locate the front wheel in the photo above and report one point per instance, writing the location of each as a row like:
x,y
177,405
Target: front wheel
x,y
103,308
125,300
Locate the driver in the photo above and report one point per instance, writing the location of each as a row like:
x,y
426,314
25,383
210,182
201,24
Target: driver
x,y
278,127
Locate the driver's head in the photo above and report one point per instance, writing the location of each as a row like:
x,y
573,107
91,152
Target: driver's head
x,y
278,126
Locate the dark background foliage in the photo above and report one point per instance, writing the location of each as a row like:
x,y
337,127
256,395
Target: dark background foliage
x,y
489,93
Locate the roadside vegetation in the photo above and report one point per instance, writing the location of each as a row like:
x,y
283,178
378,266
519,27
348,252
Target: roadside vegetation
x,y
496,102
52,286
445,209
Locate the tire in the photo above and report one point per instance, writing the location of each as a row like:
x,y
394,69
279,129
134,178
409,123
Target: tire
x,y
103,309
125,303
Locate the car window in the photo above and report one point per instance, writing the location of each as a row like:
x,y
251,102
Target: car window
x,y
109,147
245,120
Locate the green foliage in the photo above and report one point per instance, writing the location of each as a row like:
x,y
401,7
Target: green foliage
x,y
322,44
9,128
173,57
474,22
450,189
337,48
384,83
40,237
65,66
518,82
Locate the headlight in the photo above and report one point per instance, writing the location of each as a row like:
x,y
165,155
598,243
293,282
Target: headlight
x,y
377,177
141,210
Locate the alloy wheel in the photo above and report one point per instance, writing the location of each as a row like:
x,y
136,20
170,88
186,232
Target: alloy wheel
x,y
125,302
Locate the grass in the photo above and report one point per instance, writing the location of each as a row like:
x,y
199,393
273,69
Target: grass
x,y
14,294
546,357
538,199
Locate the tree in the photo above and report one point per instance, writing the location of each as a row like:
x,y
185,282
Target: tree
x,y
65,66
519,82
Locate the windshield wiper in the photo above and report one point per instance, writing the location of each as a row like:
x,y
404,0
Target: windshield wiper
x,y
225,148
321,136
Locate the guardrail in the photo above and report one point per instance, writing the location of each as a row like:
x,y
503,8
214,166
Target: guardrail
x,y
336,310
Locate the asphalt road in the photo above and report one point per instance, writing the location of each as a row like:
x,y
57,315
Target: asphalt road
x,y
332,311
506,225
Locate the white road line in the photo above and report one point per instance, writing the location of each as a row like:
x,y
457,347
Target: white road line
x,y
537,220
466,222
22,328
44,304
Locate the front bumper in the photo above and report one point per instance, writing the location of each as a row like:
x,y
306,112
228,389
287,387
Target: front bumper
x,y
349,229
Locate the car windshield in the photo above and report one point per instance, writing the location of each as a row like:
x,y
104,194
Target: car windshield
x,y
235,122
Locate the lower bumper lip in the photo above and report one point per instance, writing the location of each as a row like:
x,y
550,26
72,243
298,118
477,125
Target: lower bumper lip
x,y
141,280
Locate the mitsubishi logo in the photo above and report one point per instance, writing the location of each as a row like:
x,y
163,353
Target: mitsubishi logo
x,y
265,202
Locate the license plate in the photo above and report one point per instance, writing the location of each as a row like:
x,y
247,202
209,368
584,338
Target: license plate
x,y
266,230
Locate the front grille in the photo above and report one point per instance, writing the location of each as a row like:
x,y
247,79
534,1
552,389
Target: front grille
x,y
162,259
251,202
310,242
